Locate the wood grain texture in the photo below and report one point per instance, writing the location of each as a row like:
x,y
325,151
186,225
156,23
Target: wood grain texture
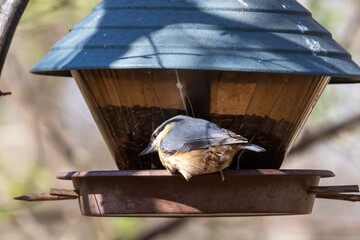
x,y
268,109
43,197
64,192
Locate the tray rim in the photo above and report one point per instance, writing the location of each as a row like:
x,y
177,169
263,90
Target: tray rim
x,y
165,173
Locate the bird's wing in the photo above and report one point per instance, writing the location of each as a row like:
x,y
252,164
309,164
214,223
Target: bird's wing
x,y
206,142
198,135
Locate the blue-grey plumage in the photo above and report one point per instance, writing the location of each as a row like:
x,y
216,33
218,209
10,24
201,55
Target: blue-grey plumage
x,y
196,146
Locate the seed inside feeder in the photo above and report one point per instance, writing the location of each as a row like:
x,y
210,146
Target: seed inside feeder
x,y
131,136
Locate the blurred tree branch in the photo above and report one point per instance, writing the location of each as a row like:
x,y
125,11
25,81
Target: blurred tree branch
x,y
10,14
55,135
347,41
312,139
164,228
352,27
50,8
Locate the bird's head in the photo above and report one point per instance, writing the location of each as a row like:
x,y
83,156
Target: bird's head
x,y
160,132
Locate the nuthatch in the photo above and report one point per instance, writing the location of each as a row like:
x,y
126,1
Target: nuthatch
x,y
195,146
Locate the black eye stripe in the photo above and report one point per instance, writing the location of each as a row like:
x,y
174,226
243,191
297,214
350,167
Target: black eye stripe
x,y
157,132
161,128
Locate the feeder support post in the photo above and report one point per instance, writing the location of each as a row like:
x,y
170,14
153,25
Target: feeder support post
x,y
10,14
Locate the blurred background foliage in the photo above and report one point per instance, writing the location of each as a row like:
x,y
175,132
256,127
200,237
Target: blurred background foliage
x,y
46,128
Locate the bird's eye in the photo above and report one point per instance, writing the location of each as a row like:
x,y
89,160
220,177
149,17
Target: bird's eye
x,y
154,136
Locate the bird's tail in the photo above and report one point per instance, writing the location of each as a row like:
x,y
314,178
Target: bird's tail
x,y
253,147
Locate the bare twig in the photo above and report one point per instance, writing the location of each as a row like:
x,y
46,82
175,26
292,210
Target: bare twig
x,y
10,14
164,228
349,35
4,93
315,138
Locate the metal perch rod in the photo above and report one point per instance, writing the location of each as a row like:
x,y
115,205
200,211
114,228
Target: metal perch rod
x,y
328,192
333,189
340,196
336,192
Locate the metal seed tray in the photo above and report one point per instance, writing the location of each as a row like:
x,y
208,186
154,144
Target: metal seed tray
x,y
159,193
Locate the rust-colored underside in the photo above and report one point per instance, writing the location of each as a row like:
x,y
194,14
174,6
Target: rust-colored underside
x,y
158,193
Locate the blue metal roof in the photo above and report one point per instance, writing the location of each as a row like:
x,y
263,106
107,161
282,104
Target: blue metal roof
x,y
276,36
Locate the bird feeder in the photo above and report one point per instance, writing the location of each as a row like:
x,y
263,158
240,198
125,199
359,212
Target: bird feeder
x,y
254,67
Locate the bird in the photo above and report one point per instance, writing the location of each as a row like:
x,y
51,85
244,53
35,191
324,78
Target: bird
x,y
194,146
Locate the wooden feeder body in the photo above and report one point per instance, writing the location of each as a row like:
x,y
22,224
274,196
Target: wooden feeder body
x,y
268,109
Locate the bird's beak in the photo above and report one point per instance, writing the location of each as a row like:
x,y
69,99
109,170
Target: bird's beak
x,y
147,150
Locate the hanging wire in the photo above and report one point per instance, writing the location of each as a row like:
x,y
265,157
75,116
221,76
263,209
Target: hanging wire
x,y
179,86
157,98
192,110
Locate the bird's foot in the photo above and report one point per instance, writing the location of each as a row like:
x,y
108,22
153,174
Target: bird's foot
x,y
172,171
186,175
222,176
